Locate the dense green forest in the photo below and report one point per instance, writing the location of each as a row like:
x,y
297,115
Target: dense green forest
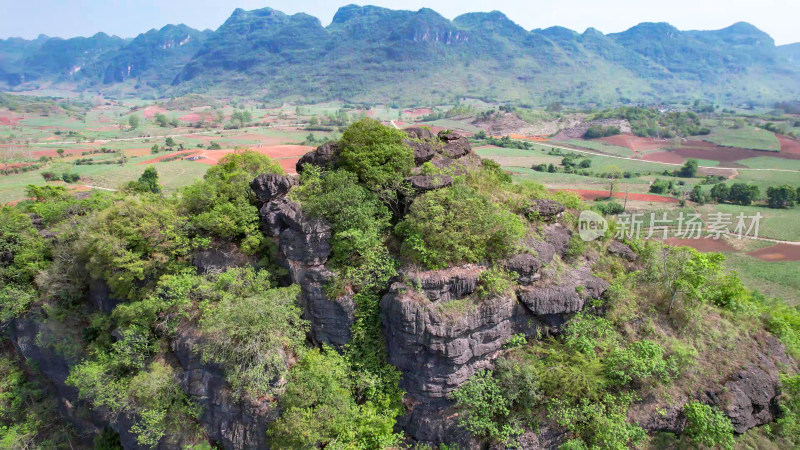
x,y
373,54
670,326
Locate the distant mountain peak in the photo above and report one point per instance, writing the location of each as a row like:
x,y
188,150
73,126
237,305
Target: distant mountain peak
x,y
650,30
350,12
492,22
559,33
370,53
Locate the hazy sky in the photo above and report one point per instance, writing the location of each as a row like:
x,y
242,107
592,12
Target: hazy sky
x,y
127,18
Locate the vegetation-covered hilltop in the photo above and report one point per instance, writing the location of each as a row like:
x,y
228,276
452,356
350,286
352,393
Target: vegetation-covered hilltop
x,y
407,57
400,293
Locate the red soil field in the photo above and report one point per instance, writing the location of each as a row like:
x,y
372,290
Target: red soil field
x,y
702,245
14,165
664,157
137,151
788,145
278,152
151,111
790,149
707,150
528,138
417,112
778,252
635,143
286,155
592,195
9,121
289,165
193,117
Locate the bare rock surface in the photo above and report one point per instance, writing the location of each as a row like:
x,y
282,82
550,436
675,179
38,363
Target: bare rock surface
x,y
421,133
526,266
269,186
303,248
425,183
232,422
326,155
749,396
619,249
544,208
558,236
221,256
566,294
424,151
455,145
439,331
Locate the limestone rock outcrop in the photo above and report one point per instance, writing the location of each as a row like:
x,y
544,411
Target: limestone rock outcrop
x,y
269,186
326,155
545,209
619,249
749,396
221,256
228,421
303,248
425,183
455,144
439,330
566,294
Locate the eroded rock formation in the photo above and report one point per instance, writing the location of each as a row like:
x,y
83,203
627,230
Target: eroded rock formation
x,y
439,330
304,248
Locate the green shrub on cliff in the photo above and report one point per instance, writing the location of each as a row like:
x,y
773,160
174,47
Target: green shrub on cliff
x,y
223,205
131,244
321,411
359,222
457,225
707,426
376,154
250,337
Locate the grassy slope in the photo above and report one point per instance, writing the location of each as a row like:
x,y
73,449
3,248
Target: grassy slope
x,y
747,137
601,146
773,279
768,162
782,224
765,179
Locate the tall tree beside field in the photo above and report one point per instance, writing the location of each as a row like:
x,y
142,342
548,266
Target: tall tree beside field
x,y
744,194
133,121
614,173
781,196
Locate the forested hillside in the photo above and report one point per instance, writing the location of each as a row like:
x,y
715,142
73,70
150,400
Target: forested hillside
x,y
400,292
381,55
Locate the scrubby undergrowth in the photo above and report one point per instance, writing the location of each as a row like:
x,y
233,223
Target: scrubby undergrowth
x,y
112,279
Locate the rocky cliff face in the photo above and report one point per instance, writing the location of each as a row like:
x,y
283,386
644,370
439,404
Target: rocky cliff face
x,y
748,396
228,421
303,248
439,332
35,337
